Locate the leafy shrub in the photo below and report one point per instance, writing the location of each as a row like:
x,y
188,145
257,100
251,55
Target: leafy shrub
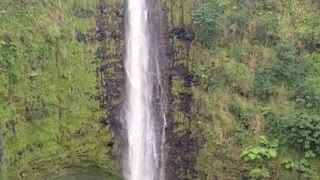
x,y
267,28
264,86
307,94
260,173
286,66
270,3
308,29
237,24
259,155
242,116
268,149
302,167
208,23
299,131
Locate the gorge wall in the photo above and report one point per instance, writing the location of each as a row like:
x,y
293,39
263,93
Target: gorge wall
x,y
236,76
62,99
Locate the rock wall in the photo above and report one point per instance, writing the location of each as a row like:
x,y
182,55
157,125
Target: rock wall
x,y
58,112
173,37
63,110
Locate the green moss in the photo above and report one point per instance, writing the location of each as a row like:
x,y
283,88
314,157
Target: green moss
x,y
187,7
82,4
84,25
47,113
179,12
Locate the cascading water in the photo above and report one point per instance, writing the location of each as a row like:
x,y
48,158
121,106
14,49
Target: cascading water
x,y
142,158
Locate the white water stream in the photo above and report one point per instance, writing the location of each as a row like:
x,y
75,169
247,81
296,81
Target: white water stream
x,y
142,158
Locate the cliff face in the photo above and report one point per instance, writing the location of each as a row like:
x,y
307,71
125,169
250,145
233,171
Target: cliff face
x,y
218,52
62,79
181,148
61,84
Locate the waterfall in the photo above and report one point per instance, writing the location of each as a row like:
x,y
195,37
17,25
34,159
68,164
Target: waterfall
x,y
142,161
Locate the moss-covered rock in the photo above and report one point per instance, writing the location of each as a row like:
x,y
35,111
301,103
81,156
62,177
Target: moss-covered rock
x,y
55,88
61,77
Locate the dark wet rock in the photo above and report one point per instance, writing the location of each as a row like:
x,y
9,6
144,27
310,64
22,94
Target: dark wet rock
x,y
104,9
109,84
186,102
120,12
83,13
90,37
102,34
110,144
166,52
122,28
106,30
104,121
181,159
180,71
116,36
189,80
101,25
180,148
102,53
184,34
114,90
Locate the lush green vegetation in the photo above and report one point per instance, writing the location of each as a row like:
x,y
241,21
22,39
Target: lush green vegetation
x,y
259,73
47,80
252,108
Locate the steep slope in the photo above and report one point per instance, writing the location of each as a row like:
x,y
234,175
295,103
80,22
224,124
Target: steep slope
x,y
243,78
56,105
245,98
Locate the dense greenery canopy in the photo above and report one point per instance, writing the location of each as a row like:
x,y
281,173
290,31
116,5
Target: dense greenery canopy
x,y
263,69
